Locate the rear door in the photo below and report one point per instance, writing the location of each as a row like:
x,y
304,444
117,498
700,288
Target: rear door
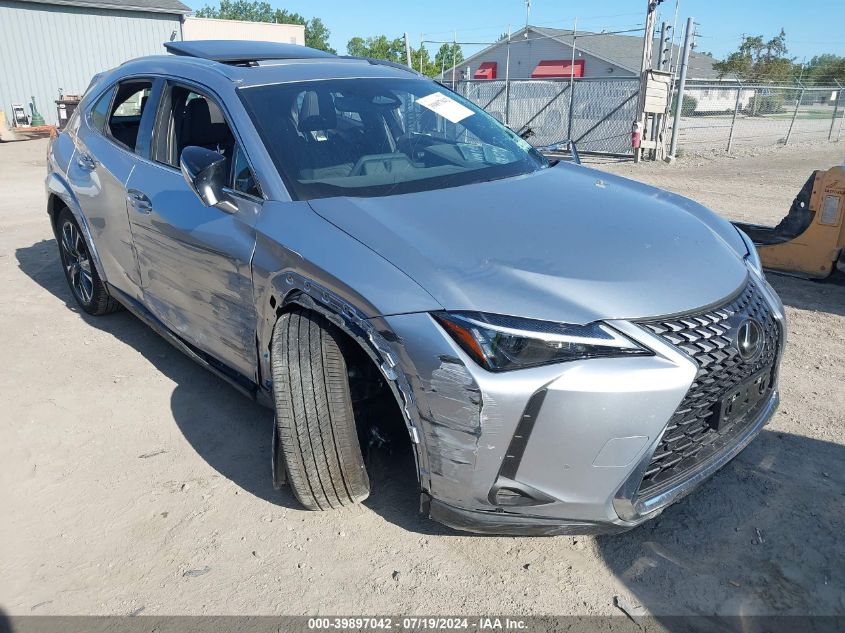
x,y
108,143
195,260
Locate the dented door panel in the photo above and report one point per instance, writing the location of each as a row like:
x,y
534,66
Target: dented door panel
x,y
195,265
98,174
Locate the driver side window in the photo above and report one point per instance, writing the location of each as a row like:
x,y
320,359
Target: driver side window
x,y
191,118
242,179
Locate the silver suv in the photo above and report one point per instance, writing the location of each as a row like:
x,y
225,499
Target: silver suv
x,y
568,351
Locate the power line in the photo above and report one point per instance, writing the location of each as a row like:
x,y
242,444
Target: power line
x,y
503,27
578,36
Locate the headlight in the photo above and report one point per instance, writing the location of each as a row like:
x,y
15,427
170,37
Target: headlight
x,y
753,257
500,343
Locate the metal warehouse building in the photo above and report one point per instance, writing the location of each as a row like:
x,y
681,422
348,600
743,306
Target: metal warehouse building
x,y
54,45
544,53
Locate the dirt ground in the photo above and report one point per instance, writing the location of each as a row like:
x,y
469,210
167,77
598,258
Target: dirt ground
x,y
132,481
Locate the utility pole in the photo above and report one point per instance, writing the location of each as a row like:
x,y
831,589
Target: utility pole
x,y
638,126
665,48
408,51
527,11
572,81
454,47
422,53
660,63
682,82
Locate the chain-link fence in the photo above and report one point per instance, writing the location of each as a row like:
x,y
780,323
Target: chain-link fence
x,y
723,117
597,113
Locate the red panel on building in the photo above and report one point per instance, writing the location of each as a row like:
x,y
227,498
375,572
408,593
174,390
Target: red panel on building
x,y
487,70
558,68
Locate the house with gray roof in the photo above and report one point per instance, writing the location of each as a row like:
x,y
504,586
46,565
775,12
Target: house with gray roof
x,y
544,53
53,46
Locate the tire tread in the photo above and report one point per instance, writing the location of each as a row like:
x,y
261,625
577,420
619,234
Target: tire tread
x,y
315,423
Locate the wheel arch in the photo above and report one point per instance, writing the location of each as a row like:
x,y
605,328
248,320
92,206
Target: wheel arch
x,y
60,196
361,331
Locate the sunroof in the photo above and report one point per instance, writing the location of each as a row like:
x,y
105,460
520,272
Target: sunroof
x,y
241,51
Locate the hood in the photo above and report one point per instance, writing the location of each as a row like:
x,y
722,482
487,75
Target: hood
x,y
568,244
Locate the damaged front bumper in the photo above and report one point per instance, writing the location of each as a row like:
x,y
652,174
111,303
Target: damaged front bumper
x,y
634,510
550,450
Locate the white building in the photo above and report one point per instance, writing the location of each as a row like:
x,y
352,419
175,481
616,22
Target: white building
x,y
211,29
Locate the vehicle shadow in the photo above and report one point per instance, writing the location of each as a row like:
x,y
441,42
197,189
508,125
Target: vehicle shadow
x,y
231,432
5,622
763,536
822,296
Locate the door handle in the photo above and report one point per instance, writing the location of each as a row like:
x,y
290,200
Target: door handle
x,y
139,201
86,162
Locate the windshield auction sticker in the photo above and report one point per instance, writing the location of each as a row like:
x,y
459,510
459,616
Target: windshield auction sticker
x,y
446,107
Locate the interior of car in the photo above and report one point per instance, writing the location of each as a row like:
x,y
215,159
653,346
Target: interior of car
x,y
198,121
127,110
369,137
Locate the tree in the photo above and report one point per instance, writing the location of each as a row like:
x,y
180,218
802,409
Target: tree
x,y
824,69
393,50
759,60
250,11
378,47
423,62
447,56
316,33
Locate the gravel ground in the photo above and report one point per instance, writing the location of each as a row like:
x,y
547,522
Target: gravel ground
x,y
135,482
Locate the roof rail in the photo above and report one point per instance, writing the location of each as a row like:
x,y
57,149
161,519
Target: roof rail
x,y
240,52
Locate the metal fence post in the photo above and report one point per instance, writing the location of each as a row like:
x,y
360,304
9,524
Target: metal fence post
x,y
736,111
572,80
835,108
795,113
508,79
682,82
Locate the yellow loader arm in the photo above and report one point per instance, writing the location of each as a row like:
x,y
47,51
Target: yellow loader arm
x,y
809,240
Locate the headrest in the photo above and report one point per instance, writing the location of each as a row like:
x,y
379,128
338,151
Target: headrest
x,y
206,125
317,112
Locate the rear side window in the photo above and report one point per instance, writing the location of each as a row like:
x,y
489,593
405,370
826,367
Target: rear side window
x,y
100,112
126,112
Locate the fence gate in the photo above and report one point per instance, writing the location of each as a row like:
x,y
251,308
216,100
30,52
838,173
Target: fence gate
x,y
595,113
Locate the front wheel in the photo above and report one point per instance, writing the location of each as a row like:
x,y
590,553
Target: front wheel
x,y
316,439
85,284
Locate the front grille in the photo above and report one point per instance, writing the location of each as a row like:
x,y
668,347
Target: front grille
x,y
695,431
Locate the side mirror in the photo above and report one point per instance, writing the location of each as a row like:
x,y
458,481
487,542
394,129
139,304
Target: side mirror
x,y
207,173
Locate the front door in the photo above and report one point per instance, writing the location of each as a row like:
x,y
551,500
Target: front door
x,y
194,260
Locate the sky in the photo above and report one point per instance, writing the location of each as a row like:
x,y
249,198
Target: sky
x,y
812,26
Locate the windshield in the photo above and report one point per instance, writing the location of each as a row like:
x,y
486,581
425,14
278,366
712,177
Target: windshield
x,y
376,137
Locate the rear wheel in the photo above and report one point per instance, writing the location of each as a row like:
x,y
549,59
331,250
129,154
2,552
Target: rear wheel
x,y
316,439
85,284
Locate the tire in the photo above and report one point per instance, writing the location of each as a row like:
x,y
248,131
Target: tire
x,y
316,438
81,274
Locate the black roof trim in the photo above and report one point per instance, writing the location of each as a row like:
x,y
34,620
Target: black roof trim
x,y
382,62
242,51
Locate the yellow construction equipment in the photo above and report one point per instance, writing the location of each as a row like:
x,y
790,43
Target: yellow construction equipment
x,y
810,240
